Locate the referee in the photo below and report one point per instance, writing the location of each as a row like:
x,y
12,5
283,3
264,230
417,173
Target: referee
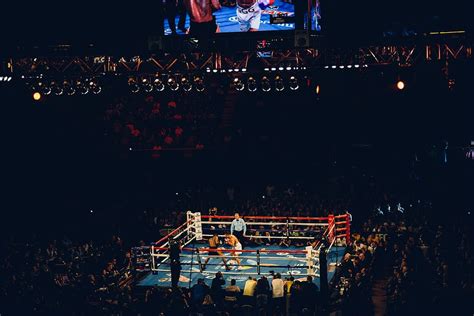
x,y
238,228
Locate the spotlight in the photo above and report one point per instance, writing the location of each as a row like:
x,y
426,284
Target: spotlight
x,y
294,83
95,87
199,84
400,85
159,86
186,84
81,87
36,96
134,87
238,84
173,84
44,88
251,84
147,86
279,85
266,86
56,89
68,88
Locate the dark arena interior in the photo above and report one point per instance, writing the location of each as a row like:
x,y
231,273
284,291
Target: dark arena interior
x,y
237,157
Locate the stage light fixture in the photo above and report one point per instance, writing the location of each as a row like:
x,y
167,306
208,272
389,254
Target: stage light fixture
x,y
199,84
265,84
147,86
81,87
279,84
159,86
186,85
56,89
238,84
36,96
68,88
45,89
134,87
95,87
251,84
293,82
173,84
400,85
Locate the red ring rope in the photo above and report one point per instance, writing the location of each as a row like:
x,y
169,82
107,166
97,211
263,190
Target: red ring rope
x,y
174,231
235,250
267,217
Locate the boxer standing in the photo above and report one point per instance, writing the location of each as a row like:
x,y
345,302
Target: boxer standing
x,y
213,244
203,23
236,245
249,13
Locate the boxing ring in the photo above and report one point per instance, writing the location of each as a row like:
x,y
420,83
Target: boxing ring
x,y
290,246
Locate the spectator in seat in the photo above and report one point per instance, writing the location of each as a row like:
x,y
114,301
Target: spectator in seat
x,y
262,290
278,293
216,288
198,292
310,293
249,291
346,266
232,293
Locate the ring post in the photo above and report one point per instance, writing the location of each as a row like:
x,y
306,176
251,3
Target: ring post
x,y
194,224
331,228
258,262
309,260
348,229
153,266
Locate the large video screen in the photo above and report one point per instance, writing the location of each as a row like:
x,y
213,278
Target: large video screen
x,y
229,15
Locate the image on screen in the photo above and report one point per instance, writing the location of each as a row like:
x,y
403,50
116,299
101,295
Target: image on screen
x,y
232,16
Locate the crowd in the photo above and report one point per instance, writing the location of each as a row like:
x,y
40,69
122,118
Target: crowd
x,y
171,121
264,296
432,269
63,277
427,266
